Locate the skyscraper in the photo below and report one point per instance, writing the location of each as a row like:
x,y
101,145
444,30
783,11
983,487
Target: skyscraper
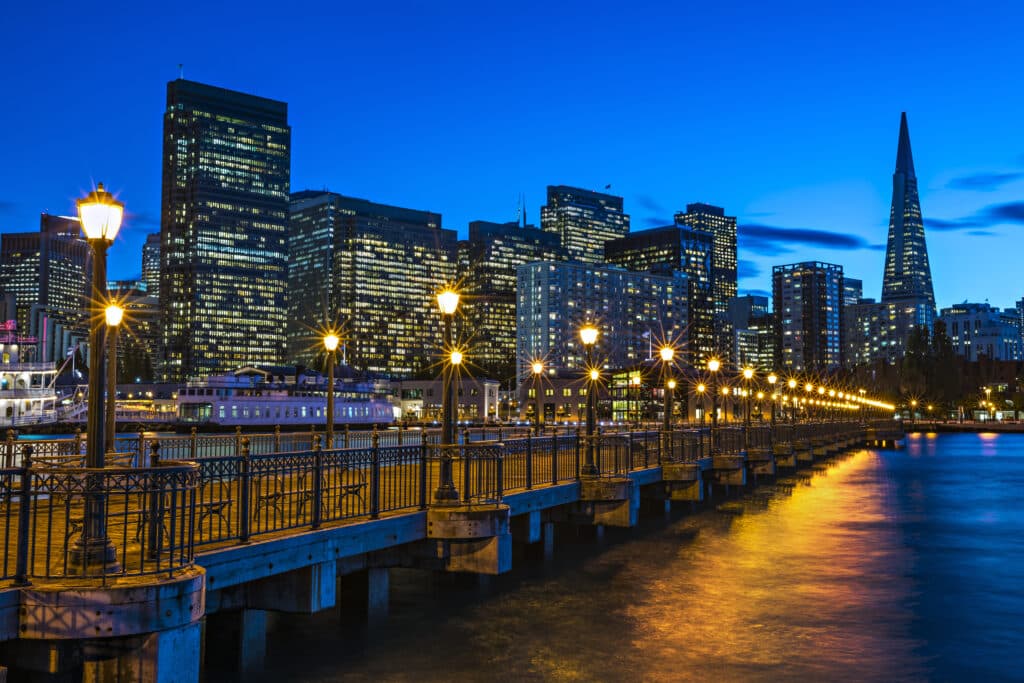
x,y
151,264
224,227
48,272
712,219
375,269
853,290
583,220
488,270
808,302
676,248
908,277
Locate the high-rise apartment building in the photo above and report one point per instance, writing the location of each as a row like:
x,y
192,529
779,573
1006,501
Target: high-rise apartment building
x,y
151,264
979,330
583,220
753,329
49,273
375,270
224,228
488,262
712,219
808,303
687,250
853,291
633,312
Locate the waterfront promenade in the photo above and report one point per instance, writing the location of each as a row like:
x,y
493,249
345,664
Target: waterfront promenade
x,y
207,529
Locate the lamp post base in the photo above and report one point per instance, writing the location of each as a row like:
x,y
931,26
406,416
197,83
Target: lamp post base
x,y
87,556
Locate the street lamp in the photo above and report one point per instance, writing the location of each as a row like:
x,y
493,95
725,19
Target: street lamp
x,y
703,408
635,381
913,409
448,302
748,374
113,314
331,342
588,336
772,379
100,216
537,368
667,353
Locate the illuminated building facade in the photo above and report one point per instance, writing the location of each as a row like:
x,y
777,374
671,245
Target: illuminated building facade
x,y
853,290
979,330
712,219
151,264
583,220
373,268
138,342
808,302
753,329
676,248
908,277
48,273
488,262
633,312
224,226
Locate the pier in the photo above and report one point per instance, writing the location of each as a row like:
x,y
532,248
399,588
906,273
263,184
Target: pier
x,y
213,532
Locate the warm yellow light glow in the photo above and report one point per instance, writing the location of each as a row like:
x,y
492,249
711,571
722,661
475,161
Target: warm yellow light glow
x,y
772,379
448,301
809,387
791,384
913,404
831,393
588,335
595,374
114,315
456,357
100,214
635,380
714,364
821,390
331,342
700,388
760,395
748,373
672,385
725,391
667,353
537,367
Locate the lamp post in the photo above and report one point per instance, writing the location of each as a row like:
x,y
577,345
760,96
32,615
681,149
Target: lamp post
x,y
537,368
772,379
748,374
808,388
113,314
913,409
667,353
448,302
588,336
635,383
703,406
713,365
331,342
792,400
100,215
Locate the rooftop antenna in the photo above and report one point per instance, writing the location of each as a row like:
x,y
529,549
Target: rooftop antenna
x,y
522,200
181,71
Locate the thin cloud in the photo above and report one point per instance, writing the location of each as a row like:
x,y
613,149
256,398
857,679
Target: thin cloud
x,y
983,182
1011,212
950,224
652,222
747,269
757,292
650,204
7,206
770,240
982,233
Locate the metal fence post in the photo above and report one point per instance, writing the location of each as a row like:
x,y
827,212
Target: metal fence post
x,y
277,438
501,471
554,459
375,474
193,445
346,436
529,461
401,429
312,436
78,441
244,482
153,522
21,561
423,474
238,439
318,469
578,444
9,451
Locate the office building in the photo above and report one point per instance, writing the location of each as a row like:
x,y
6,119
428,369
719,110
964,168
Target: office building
x,y
49,273
753,329
712,219
908,278
151,264
808,302
853,290
374,270
224,228
689,251
138,343
981,331
583,220
633,312
488,262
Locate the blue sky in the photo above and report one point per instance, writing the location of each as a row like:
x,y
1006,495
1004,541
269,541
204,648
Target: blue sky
x,y
786,114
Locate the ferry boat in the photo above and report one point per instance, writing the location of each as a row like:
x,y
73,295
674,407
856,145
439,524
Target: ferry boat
x,y
285,396
27,393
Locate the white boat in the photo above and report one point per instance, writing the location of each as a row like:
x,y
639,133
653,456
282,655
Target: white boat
x,y
27,393
254,396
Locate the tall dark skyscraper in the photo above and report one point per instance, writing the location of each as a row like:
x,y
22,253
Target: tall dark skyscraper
x,y
907,273
723,259
676,248
151,264
488,261
224,228
374,268
584,220
808,302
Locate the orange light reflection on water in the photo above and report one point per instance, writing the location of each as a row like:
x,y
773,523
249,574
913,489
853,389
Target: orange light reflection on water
x,y
771,593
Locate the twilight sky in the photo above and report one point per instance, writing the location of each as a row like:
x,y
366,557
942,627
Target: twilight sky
x,y
784,113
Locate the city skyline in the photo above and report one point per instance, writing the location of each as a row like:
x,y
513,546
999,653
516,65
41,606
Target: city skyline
x,y
805,170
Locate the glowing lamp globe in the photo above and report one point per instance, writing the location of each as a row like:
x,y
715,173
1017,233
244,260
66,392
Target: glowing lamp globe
x,y
588,335
114,314
331,342
448,301
100,214
667,353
